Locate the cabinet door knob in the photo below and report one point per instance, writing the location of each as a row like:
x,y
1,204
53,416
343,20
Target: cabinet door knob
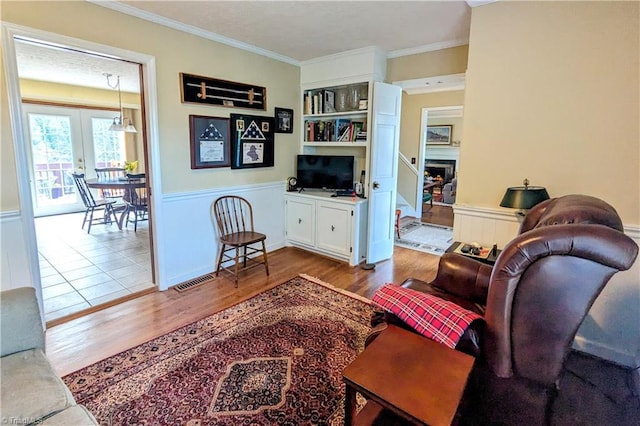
x,y
299,220
376,185
333,228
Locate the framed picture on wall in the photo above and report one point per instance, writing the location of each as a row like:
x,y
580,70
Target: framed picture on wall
x,y
284,120
439,135
209,142
251,141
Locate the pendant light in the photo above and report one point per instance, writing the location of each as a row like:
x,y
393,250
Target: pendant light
x,y
118,122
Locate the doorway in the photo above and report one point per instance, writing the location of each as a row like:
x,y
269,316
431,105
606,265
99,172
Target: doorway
x,y
440,162
67,128
431,231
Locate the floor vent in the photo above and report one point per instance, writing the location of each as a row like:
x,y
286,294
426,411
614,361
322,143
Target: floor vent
x,y
187,285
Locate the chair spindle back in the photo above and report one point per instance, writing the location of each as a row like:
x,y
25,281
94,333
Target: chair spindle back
x,y
233,214
83,190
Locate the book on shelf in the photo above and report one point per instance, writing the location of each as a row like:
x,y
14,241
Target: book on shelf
x,y
334,130
329,133
357,126
307,103
311,135
329,101
341,125
320,133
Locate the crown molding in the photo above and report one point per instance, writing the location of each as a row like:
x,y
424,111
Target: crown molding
x,y
160,20
347,53
199,32
440,83
428,48
476,3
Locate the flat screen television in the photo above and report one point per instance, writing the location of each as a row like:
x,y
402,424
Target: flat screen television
x,y
332,172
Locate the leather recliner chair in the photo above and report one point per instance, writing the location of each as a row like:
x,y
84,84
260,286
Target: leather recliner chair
x,y
533,300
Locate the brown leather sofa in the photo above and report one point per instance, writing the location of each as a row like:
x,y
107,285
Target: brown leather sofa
x,y
533,300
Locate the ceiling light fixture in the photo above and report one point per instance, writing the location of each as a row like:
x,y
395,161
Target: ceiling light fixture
x,y
118,122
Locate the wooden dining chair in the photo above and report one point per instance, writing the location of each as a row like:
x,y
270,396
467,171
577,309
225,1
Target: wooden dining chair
x,y
92,205
108,174
234,218
397,225
136,200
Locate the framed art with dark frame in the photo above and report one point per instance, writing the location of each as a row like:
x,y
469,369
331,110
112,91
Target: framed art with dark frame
x,y
251,141
439,135
284,120
209,142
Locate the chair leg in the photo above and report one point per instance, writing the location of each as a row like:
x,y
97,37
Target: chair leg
x,y
235,267
90,220
264,256
110,212
86,213
220,259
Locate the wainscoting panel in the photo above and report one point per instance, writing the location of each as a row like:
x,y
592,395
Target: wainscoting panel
x,y
611,329
191,234
15,263
484,225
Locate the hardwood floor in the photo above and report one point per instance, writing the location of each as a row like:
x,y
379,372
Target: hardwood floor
x,y
86,340
438,214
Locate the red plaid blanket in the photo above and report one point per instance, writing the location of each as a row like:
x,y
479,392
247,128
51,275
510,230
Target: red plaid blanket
x,y
435,318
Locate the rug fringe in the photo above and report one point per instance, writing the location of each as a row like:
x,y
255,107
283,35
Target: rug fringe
x,y
336,289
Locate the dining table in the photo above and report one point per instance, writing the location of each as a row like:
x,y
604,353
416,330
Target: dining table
x,y
125,184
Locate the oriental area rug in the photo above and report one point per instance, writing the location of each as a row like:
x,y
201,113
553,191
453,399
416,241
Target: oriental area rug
x,y
424,237
276,358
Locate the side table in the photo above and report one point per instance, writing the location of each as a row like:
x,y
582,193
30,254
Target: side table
x,y
417,379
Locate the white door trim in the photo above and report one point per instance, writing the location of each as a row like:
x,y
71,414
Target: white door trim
x,y
423,147
9,31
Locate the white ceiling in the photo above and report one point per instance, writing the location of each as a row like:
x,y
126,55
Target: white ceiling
x,y
291,31
47,63
303,30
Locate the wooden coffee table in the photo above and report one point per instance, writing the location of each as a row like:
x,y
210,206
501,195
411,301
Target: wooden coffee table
x,y
415,378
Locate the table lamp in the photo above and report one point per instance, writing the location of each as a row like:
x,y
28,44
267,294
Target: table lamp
x,y
523,197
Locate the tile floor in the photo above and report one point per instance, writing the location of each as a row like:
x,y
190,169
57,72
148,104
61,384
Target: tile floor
x,y
80,270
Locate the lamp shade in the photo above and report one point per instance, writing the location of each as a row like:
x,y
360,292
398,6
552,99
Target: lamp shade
x,y
524,197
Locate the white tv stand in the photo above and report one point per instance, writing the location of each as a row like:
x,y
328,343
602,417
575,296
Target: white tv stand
x,y
332,226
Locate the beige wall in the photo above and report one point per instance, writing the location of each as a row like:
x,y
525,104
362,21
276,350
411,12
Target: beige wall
x,y
552,95
77,95
9,199
456,131
175,52
429,64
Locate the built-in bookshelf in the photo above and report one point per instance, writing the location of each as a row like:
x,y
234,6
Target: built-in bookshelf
x,y
340,128
336,115
337,99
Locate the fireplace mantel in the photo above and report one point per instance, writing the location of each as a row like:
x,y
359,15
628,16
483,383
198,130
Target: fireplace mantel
x,y
441,153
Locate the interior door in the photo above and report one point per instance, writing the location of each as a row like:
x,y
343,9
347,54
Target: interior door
x,y
383,171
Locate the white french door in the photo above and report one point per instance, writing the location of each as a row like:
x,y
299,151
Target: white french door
x,y
62,140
